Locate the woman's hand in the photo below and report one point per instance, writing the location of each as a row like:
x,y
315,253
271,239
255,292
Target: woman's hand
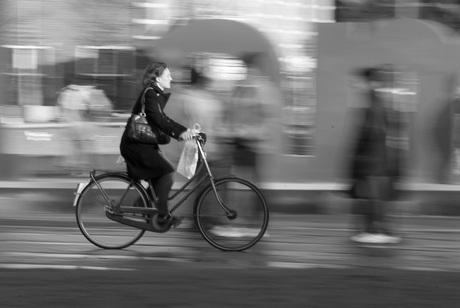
x,y
187,135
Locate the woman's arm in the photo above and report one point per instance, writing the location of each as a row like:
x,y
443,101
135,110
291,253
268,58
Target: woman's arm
x,y
156,116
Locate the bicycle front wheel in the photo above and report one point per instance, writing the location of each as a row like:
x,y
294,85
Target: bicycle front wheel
x,y
239,221
93,203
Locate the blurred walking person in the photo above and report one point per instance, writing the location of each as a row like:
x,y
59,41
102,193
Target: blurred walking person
x,y
74,102
206,109
253,121
376,161
202,106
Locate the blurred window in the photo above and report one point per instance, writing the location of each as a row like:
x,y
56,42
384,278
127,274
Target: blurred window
x,y
222,69
109,68
323,10
23,72
299,121
364,10
227,68
149,19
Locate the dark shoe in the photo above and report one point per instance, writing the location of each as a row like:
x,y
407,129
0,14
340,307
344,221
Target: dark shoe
x,y
172,220
175,221
163,218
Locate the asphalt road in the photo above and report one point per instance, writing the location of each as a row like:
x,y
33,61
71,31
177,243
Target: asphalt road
x,y
305,261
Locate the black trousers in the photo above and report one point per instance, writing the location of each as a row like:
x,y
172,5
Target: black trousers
x,y
162,186
375,194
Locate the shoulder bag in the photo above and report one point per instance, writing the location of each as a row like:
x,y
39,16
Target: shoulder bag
x,y
138,129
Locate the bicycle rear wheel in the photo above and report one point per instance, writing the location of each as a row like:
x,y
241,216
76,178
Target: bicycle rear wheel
x,y
93,203
241,224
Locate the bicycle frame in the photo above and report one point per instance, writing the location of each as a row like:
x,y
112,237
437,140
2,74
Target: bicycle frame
x,y
152,210
113,211
209,176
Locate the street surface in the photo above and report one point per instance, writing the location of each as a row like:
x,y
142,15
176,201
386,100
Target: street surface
x,y
305,260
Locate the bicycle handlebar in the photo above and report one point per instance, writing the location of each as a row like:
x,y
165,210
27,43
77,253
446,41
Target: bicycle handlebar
x,y
198,137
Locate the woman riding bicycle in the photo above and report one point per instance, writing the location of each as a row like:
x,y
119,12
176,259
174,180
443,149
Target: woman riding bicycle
x,y
147,161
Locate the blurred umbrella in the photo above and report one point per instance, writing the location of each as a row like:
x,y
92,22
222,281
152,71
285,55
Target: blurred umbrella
x,y
217,36
142,58
416,44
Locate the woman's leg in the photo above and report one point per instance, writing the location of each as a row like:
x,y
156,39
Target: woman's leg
x,y
162,186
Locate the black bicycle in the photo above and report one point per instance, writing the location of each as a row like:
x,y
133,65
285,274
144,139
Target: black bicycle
x,y
113,211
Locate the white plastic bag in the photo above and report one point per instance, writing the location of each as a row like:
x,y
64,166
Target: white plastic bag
x,y
189,157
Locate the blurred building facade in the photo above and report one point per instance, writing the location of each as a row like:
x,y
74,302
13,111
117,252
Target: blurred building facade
x,y
446,12
419,35
47,44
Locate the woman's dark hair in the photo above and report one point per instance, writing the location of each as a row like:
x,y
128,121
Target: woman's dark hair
x,y
151,72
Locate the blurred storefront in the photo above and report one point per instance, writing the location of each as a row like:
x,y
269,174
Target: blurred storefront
x,y
40,56
49,44
425,90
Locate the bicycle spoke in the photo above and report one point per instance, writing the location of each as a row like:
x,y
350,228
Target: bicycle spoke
x,y
247,221
92,206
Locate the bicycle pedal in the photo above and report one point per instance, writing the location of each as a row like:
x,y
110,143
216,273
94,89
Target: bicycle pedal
x,y
176,221
112,211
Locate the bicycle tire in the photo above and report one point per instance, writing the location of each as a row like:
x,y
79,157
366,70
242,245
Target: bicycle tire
x,y
245,201
91,211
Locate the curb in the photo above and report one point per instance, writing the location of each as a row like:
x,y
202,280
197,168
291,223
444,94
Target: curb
x,y
289,198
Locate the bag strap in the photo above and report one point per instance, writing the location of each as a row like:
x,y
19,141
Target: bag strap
x,y
143,102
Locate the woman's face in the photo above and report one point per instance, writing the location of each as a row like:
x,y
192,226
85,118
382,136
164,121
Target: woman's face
x,y
164,81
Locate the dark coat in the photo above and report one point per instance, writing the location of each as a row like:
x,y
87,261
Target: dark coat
x,y
147,161
371,156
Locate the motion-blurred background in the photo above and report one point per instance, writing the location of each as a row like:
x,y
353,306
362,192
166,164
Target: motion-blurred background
x,y
69,75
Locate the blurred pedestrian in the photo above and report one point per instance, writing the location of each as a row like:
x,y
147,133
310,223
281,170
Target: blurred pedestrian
x,y
253,122
250,118
203,107
74,102
376,161
206,109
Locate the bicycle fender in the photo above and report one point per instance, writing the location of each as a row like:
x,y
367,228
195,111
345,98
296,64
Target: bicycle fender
x,y
231,176
77,194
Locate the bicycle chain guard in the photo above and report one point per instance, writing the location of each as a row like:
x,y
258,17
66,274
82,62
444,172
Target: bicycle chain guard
x,y
151,225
